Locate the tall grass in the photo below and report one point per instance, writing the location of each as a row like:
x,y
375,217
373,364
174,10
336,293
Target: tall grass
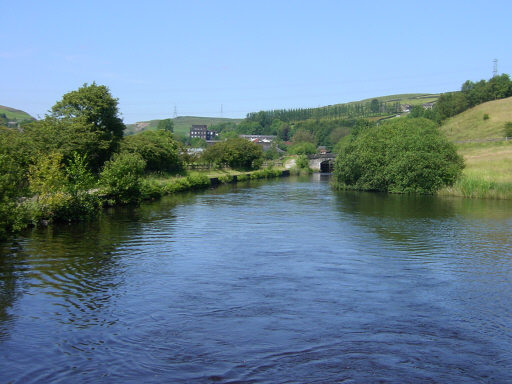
x,y
472,186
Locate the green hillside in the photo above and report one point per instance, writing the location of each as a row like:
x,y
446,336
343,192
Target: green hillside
x,y
488,171
406,98
182,124
12,114
471,125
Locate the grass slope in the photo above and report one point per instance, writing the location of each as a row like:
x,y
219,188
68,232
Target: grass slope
x,y
15,114
470,125
488,172
182,124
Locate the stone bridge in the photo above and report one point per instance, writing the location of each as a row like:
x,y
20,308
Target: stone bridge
x,y
322,163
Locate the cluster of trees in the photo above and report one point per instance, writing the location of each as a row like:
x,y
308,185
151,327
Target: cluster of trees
x,y
237,153
401,156
472,94
374,107
326,132
54,162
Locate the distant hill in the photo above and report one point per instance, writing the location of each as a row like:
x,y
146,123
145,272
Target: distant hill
x,y
182,124
471,125
406,98
8,114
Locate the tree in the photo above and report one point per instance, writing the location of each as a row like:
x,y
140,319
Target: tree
x,y
122,177
303,136
303,148
158,149
90,118
166,125
402,155
237,153
375,106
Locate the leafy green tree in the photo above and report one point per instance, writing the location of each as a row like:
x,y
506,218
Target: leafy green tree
x,y
197,142
121,177
302,162
225,135
302,148
47,175
10,176
237,153
158,149
87,120
166,125
402,155
374,106
508,129
304,136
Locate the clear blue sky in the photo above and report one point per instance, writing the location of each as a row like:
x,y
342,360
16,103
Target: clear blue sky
x,y
245,55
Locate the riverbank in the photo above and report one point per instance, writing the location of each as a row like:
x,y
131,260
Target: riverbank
x,y
157,186
488,172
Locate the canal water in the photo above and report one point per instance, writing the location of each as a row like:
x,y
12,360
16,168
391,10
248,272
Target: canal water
x,y
283,281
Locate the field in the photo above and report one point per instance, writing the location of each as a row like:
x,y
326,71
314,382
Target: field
x,y
471,125
14,114
182,124
488,172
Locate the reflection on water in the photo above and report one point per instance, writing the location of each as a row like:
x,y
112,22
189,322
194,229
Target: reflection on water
x,y
280,281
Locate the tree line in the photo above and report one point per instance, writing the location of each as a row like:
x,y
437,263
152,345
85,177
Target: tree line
x,y
470,95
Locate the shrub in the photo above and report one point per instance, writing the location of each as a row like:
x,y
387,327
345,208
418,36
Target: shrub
x,y
486,116
236,153
508,129
198,181
402,155
302,162
226,179
158,149
303,148
47,175
121,178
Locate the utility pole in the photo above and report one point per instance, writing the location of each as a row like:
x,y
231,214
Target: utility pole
x,y
495,68
221,110
175,114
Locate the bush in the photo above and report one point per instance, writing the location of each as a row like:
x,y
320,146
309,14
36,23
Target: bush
x,y
236,153
303,148
121,178
302,162
198,181
508,129
402,155
486,116
158,149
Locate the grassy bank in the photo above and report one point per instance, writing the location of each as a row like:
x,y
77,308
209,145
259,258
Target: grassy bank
x,y
488,172
157,186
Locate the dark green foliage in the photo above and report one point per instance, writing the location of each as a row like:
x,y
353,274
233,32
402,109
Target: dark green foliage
x,y
401,155
10,176
338,111
302,162
237,153
158,149
304,136
84,121
418,111
508,129
197,142
166,125
272,153
121,178
302,149
486,116
472,94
